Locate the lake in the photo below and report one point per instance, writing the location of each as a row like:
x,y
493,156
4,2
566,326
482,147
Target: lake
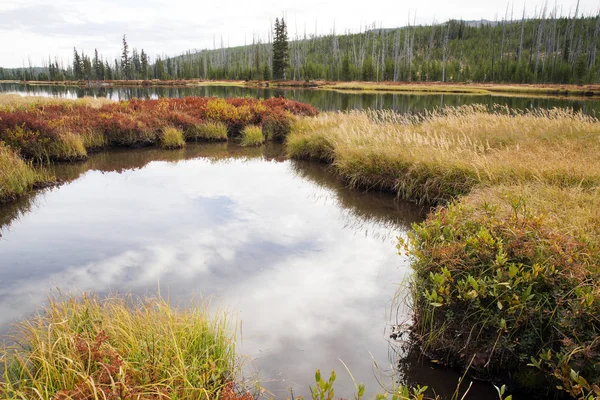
x,y
308,266
327,100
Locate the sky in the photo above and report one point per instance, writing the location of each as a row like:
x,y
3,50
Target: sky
x,y
35,29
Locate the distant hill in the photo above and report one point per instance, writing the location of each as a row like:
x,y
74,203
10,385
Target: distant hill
x,y
549,50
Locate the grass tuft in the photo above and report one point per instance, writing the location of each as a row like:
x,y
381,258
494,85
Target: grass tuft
x,y
172,138
252,135
17,176
119,347
207,131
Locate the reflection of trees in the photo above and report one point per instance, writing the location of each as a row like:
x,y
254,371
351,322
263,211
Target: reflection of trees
x,y
325,100
373,207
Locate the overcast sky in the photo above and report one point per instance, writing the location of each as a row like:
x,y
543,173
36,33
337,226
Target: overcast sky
x,y
36,29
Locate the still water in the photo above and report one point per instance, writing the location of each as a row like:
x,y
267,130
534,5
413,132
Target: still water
x,y
322,99
307,265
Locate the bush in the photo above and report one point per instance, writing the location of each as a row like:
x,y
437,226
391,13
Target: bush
x,y
172,138
277,125
252,136
510,276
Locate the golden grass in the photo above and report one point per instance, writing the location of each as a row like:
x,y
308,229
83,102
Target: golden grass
x,y
17,176
547,90
252,135
207,131
440,155
119,347
13,101
172,138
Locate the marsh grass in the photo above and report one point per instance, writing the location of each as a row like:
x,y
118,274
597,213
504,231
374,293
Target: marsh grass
x,y
120,347
14,101
252,135
17,176
438,156
172,138
207,131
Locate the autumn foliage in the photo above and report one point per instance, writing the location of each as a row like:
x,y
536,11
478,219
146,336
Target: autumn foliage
x,y
66,131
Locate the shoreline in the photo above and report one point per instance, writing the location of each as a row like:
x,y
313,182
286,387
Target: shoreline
x,y
498,89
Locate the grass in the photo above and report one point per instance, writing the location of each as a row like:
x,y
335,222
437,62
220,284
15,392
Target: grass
x,y
466,88
120,347
172,138
207,131
507,266
17,176
10,102
252,135
438,156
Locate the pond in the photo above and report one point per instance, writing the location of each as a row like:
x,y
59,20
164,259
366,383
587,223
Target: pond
x,y
308,266
322,99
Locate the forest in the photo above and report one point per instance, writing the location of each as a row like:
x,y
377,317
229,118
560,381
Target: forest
x,y
544,49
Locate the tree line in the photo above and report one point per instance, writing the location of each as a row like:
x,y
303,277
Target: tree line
x,y
544,49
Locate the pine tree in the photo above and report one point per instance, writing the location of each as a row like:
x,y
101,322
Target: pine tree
x,y
77,66
125,62
144,66
280,49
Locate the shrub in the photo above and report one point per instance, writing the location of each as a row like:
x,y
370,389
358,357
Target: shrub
x,y
172,138
252,136
277,125
510,276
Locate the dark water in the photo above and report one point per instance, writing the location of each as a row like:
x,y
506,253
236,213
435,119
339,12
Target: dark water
x,y
322,99
308,266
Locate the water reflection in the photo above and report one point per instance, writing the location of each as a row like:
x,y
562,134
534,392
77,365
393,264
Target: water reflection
x,y
310,280
322,99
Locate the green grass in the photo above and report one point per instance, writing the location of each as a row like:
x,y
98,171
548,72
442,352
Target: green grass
x,y
252,135
172,138
17,176
119,347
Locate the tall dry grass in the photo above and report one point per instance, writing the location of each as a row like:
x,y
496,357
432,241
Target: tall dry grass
x,y
10,102
437,156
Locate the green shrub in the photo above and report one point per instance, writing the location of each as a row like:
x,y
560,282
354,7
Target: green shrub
x,y
252,136
510,277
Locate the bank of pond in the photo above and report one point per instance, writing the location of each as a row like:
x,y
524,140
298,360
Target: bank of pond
x,y
506,266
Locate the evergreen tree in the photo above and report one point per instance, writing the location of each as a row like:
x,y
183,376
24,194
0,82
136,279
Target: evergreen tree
x,y
77,65
144,64
125,61
280,49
